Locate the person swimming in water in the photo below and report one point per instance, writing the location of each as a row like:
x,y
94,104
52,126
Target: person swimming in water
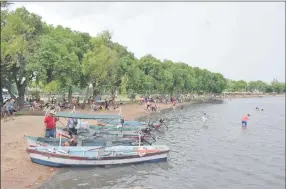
x,y
244,120
257,108
204,118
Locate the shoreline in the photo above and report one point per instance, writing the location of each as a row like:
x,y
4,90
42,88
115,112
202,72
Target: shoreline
x,y
17,170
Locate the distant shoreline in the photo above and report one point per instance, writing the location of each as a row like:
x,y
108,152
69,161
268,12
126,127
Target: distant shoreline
x,y
251,95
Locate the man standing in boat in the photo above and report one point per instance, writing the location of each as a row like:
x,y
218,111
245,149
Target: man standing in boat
x,y
50,122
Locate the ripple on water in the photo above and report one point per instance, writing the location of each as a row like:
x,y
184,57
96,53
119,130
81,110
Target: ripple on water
x,y
217,154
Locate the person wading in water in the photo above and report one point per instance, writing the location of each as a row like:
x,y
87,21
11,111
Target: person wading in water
x,y
244,120
50,122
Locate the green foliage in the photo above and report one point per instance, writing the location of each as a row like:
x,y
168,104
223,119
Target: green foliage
x,y
52,87
59,59
255,86
20,32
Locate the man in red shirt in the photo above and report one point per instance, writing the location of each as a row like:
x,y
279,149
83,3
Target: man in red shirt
x,y
50,122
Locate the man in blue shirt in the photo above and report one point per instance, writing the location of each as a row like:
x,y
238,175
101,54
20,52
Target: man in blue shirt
x,y
11,108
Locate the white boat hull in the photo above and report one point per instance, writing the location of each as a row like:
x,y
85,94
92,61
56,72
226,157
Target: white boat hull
x,y
60,162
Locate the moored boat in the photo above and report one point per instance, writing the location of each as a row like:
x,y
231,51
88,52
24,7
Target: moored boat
x,y
40,141
112,123
91,132
91,156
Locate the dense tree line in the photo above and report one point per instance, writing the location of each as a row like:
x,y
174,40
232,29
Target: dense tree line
x,y
253,86
58,58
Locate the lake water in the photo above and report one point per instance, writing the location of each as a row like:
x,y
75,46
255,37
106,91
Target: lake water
x,y
217,154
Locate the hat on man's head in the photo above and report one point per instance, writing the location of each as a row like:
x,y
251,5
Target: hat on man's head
x,y
53,112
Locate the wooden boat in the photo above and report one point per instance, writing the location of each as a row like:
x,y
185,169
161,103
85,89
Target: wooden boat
x,y
91,132
90,156
130,123
146,137
117,128
106,118
112,122
109,119
40,141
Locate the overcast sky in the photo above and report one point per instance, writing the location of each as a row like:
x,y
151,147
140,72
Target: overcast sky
x,y
240,40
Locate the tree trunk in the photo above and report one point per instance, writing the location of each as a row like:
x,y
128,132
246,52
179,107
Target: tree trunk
x,y
1,93
113,95
95,91
86,95
10,91
21,92
70,94
49,96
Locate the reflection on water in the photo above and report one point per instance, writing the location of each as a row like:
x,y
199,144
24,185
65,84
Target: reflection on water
x,y
215,154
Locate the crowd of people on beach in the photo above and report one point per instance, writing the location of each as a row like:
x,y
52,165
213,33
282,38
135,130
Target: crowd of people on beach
x,y
100,106
151,103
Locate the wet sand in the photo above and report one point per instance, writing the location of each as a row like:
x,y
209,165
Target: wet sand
x,y
17,170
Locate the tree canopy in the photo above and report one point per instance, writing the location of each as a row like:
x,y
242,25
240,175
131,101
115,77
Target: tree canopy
x,y
60,59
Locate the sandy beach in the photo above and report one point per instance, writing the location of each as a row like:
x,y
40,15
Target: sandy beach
x,y
17,170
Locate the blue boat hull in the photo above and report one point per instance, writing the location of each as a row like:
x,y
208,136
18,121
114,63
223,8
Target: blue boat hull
x,y
51,164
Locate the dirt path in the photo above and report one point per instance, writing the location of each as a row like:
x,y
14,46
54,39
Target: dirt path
x,y
17,170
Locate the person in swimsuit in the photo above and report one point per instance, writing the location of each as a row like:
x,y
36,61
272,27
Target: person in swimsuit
x,y
244,120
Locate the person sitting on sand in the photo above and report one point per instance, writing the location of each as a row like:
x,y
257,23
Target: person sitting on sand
x,y
244,120
93,106
50,122
148,105
153,107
